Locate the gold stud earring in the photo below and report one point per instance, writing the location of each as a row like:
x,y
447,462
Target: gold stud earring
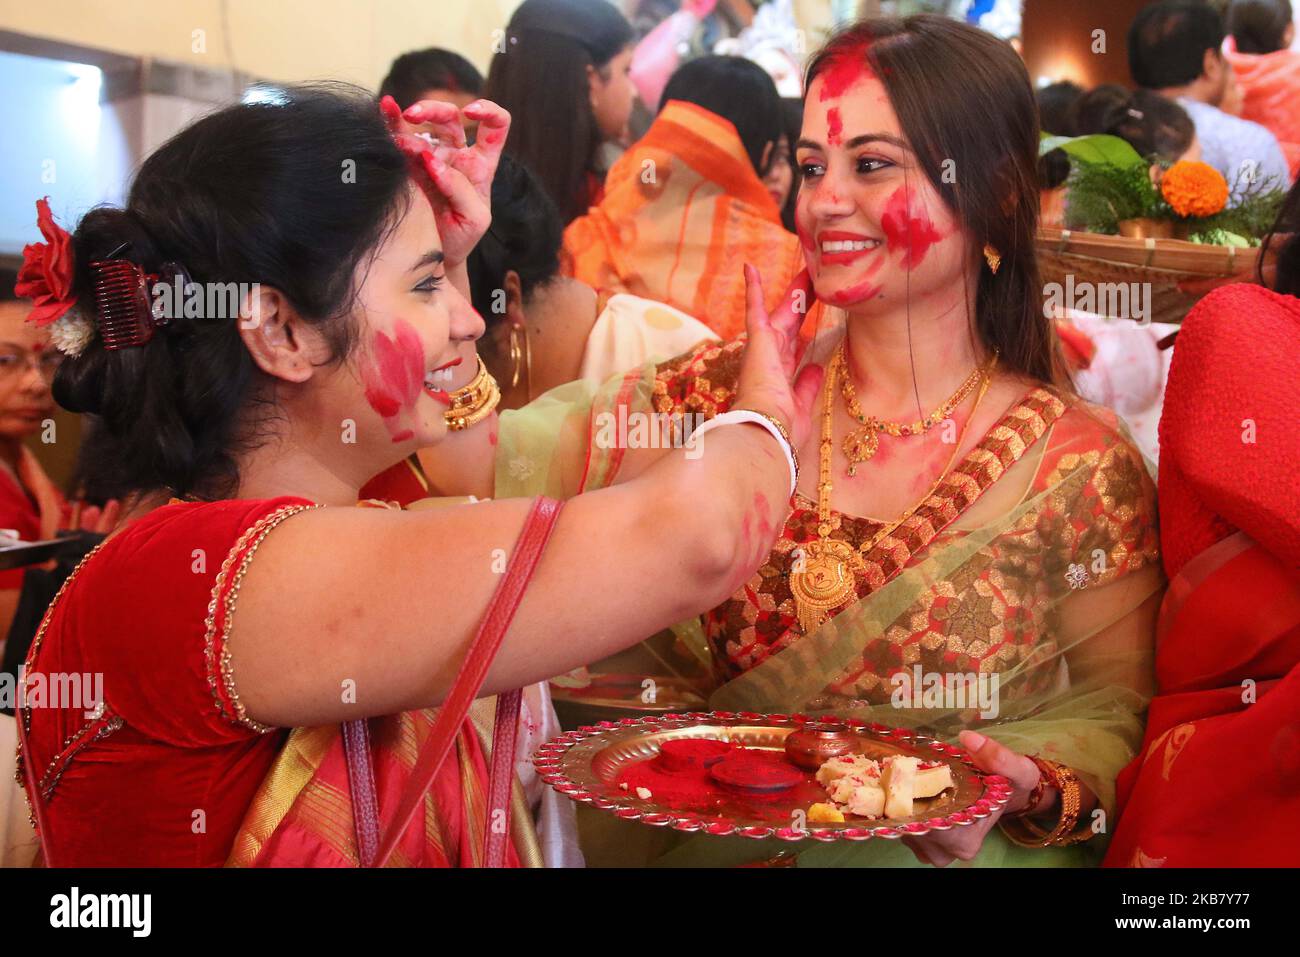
x,y
992,257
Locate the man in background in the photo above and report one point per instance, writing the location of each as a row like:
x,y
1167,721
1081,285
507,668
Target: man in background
x,y
1174,48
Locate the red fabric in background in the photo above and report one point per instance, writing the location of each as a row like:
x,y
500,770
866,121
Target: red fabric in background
x,y
1234,377
17,511
1217,782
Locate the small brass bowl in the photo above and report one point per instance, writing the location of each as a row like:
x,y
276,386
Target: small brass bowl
x,y
815,744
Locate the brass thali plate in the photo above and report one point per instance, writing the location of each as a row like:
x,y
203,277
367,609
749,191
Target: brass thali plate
x,y
585,766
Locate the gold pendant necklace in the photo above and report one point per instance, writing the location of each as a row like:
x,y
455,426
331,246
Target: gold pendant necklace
x,y
863,442
825,571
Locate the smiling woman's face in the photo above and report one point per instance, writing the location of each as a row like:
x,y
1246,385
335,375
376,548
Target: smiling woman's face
x,y
873,228
415,340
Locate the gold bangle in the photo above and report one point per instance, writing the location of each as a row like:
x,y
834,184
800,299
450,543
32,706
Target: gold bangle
x,y
1023,831
474,401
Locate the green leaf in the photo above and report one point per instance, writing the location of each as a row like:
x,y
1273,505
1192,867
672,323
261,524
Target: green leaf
x,y
1100,148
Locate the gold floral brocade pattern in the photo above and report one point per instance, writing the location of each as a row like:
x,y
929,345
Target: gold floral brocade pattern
x,y
1095,523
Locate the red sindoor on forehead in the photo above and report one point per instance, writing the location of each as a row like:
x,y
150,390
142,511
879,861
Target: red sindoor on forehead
x,y
843,68
834,127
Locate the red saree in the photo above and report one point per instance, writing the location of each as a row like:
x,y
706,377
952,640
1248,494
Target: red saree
x,y
1218,782
166,769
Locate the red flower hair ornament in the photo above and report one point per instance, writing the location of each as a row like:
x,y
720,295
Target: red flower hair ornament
x,y
46,274
46,279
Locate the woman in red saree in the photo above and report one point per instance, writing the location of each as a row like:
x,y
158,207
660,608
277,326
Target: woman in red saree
x,y
1217,782
246,607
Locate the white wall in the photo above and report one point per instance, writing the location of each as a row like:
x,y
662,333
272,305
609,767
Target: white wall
x,y
285,40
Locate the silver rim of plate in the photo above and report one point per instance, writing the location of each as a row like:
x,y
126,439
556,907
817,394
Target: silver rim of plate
x,y
583,765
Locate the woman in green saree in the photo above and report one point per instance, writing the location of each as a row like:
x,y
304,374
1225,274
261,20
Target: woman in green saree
x,y
1005,596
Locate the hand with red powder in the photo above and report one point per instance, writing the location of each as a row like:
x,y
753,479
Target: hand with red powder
x,y
769,381
456,177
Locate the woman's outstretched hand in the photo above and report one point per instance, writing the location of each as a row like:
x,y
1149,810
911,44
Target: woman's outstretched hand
x,y
941,848
456,177
768,381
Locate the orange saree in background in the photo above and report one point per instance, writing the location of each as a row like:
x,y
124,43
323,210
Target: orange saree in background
x,y
683,212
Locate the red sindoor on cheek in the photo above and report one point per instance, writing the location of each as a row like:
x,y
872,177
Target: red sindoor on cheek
x,y
860,291
394,375
908,228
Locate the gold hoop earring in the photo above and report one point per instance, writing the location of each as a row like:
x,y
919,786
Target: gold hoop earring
x,y
516,354
992,257
521,359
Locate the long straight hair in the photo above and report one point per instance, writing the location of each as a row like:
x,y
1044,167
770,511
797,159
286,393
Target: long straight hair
x,y
965,103
540,76
1283,240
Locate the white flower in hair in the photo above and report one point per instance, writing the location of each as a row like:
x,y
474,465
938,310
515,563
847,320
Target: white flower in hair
x,y
71,333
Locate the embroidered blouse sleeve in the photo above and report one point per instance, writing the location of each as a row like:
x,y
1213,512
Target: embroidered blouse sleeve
x,y
166,613
702,381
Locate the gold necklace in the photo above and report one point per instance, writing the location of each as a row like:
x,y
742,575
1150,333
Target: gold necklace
x,y
825,575
861,443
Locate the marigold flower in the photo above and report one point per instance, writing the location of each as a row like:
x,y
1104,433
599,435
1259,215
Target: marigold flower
x,y
1194,189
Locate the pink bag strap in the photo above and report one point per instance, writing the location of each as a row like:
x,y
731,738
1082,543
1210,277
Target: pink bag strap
x,y
451,715
361,782
501,779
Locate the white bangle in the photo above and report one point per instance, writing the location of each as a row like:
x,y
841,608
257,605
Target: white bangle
x,y
748,416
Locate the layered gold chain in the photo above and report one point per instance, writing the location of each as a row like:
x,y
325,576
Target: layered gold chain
x,y
861,443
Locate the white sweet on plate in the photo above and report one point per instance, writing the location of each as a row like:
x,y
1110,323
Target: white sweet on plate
x,y
899,779
857,765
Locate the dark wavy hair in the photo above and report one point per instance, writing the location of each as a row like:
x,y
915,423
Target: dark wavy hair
x,y
540,76
417,72
1167,42
1152,124
962,94
525,237
1285,235
1259,26
293,195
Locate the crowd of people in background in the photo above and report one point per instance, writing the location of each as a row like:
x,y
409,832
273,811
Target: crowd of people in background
x,y
593,270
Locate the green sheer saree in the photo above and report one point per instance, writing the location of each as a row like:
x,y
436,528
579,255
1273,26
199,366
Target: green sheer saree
x,y
1020,600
